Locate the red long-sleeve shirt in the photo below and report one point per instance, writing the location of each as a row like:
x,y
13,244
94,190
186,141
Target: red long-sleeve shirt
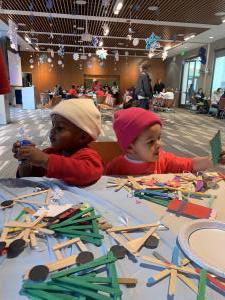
x,y
166,163
82,168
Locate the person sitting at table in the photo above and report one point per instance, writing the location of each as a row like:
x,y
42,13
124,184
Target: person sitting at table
x,y
72,92
75,123
100,93
138,133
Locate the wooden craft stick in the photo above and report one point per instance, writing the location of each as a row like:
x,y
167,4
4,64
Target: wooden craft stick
x,y
58,254
33,240
29,195
38,220
46,231
82,246
173,279
17,224
159,276
136,244
26,235
119,240
58,265
65,244
29,210
48,197
134,183
126,235
188,282
132,228
127,281
4,233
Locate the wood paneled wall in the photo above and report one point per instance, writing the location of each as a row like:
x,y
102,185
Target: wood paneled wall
x,y
126,68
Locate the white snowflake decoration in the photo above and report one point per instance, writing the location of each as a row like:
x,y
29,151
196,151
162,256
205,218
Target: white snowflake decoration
x,y
102,53
75,56
164,54
117,57
12,34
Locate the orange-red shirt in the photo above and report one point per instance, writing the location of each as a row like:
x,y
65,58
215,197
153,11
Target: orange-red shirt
x,y
72,92
167,163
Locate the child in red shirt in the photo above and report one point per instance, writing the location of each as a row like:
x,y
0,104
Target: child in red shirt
x,y
75,123
138,132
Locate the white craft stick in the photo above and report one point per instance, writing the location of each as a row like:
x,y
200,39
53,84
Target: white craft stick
x,y
132,228
65,244
33,240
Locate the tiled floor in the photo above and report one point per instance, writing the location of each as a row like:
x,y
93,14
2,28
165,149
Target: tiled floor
x,y
184,133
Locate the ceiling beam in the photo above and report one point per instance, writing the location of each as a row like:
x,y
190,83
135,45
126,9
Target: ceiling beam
x,y
104,19
79,35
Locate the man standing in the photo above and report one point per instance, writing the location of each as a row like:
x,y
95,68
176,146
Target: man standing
x,y
143,89
159,86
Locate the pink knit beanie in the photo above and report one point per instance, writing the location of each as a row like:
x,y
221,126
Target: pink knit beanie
x,y
129,123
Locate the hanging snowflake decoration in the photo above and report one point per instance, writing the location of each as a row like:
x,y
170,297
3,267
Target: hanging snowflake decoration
x,y
75,56
117,57
12,34
60,62
49,60
61,50
95,41
43,58
105,29
102,53
152,42
164,54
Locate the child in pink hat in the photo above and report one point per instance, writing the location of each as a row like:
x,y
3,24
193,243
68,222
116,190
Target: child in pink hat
x,y
138,133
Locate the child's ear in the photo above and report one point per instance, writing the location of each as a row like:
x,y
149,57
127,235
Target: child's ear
x,y
131,149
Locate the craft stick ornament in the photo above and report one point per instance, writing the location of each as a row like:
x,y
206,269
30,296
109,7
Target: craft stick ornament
x,y
216,148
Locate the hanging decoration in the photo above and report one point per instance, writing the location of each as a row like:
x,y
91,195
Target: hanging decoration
x,y
102,53
60,62
135,42
31,61
101,64
95,41
202,55
75,56
126,53
12,34
43,58
117,57
164,54
105,29
49,60
61,51
152,43
151,54
89,54
182,52
31,66
106,3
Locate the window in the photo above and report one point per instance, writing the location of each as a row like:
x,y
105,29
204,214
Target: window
x,y
219,71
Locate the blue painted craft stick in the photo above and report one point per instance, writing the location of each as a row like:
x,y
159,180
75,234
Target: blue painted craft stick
x,y
151,280
175,256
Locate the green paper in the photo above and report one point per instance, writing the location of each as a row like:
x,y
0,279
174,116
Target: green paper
x,y
216,148
202,285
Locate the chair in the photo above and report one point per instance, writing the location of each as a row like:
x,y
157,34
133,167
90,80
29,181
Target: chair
x,y
107,150
222,108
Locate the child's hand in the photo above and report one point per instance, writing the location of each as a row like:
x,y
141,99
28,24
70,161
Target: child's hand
x,y
16,146
33,155
222,157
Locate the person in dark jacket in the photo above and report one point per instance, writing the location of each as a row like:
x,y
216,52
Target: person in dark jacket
x,y
159,86
143,90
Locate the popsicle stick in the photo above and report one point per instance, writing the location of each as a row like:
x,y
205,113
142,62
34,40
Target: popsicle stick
x,y
65,244
132,228
29,195
202,285
126,235
173,280
127,281
120,241
4,233
188,282
136,244
17,224
33,240
155,261
26,234
159,276
48,197
82,246
45,230
58,254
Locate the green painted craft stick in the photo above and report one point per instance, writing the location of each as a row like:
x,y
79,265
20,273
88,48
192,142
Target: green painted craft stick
x,y
76,216
94,224
83,233
49,296
95,263
71,222
44,286
113,275
88,293
154,200
79,282
94,279
20,215
202,285
80,227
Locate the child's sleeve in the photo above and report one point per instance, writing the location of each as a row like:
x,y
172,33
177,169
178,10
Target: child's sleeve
x,y
176,164
83,168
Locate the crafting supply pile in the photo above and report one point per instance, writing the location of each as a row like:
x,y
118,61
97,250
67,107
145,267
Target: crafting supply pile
x,y
71,268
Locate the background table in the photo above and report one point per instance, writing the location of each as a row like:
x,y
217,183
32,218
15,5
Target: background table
x,y
115,207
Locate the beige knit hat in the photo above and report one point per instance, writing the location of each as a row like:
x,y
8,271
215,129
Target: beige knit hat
x,y
81,112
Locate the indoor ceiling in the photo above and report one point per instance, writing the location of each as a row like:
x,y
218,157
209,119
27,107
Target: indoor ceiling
x,y
50,23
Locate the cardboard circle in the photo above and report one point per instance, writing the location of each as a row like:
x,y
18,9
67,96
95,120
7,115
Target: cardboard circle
x,y
118,251
152,242
84,257
15,248
2,245
39,273
7,203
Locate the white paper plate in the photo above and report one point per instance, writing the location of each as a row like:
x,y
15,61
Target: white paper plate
x,y
203,241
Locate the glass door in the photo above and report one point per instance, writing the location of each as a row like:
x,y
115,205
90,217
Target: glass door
x,y
191,74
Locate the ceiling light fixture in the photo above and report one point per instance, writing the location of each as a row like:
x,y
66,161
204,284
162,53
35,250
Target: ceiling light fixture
x,y
80,28
81,2
223,21
220,13
211,37
118,6
189,37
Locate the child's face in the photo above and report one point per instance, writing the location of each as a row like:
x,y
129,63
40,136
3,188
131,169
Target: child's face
x,y
146,146
65,136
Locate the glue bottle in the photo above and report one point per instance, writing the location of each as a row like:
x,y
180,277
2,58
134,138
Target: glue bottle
x,y
23,140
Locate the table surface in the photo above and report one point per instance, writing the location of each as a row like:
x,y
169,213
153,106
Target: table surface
x,y
116,207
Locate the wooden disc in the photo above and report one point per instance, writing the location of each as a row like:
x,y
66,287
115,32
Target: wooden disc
x,y
2,245
15,248
152,242
118,251
84,257
39,273
7,203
